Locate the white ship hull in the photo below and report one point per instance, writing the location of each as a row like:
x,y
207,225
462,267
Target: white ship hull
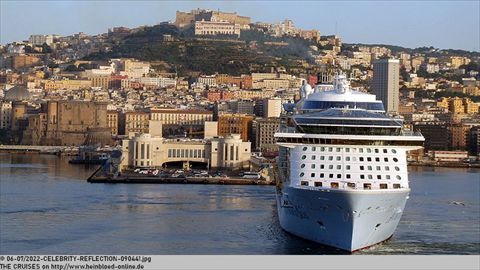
x,y
345,219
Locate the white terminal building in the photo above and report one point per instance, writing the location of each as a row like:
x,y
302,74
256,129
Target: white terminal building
x,y
153,151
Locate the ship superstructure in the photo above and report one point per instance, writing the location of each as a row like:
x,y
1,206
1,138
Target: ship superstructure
x,y
342,167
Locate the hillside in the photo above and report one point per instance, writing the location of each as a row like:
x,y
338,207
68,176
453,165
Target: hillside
x,y
187,54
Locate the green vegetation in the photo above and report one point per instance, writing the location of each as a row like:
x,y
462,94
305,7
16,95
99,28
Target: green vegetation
x,y
222,54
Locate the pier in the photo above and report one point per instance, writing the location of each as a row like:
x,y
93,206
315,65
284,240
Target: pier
x,y
33,148
99,177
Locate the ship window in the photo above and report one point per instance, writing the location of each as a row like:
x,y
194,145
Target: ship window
x,y
318,184
312,174
376,151
387,168
347,167
379,177
302,166
322,166
369,168
399,177
322,149
362,176
387,176
330,158
370,176
334,184
360,150
386,159
304,157
369,150
385,151
347,158
397,168
322,158
314,148
377,159
339,176
302,174
330,149
383,186
322,175
361,158
378,168
339,167
339,158
347,150
348,176
395,159
367,186
313,157
313,166
394,151
362,168
369,159
330,175
330,167
304,148
304,183
338,149
351,185
396,185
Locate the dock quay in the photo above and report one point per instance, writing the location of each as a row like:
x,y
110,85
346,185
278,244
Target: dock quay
x,y
99,177
40,149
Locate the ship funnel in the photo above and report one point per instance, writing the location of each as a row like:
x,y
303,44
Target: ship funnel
x,y
341,84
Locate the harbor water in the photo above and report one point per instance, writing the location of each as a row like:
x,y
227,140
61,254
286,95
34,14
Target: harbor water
x,y
47,207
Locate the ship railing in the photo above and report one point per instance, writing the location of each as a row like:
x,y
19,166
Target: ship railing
x,y
402,133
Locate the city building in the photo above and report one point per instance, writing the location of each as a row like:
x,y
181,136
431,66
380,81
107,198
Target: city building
x,y
207,28
235,124
112,121
265,131
449,156
70,122
41,39
179,122
437,135
187,19
145,150
5,114
136,122
385,83
272,107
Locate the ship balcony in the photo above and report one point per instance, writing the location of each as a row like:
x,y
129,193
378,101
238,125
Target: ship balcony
x,y
349,185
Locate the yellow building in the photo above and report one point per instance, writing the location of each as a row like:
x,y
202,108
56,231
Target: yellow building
x,y
112,121
67,84
458,61
101,81
253,94
470,107
235,124
459,136
136,122
443,103
181,117
455,105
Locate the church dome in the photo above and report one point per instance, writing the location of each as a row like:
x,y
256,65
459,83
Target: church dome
x,y
18,93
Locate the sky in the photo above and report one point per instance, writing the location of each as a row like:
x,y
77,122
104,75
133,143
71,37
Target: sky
x,y
442,24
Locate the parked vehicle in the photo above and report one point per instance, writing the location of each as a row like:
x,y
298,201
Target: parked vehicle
x,y
251,175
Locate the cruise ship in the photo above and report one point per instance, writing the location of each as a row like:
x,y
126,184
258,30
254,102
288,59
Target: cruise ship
x,y
341,171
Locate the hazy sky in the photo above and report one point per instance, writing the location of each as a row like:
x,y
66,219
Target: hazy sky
x,y
442,24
